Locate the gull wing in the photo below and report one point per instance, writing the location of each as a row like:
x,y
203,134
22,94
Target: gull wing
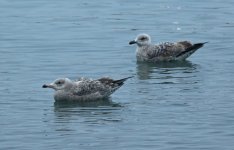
x,y
104,86
167,49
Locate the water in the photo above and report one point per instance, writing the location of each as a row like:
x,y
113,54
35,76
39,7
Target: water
x,y
187,105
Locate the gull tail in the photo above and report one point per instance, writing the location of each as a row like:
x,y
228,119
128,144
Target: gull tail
x,y
120,82
189,51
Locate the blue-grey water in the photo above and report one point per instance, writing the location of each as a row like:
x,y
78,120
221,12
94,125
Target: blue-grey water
x,y
180,106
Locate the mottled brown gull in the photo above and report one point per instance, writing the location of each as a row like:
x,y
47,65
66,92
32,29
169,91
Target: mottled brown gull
x,y
84,89
163,52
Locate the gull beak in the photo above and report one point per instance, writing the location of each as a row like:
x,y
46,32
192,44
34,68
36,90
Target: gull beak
x,y
48,86
132,42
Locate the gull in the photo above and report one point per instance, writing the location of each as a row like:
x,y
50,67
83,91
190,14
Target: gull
x,y
166,51
84,89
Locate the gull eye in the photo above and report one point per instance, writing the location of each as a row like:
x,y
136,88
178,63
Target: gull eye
x,y
143,38
59,82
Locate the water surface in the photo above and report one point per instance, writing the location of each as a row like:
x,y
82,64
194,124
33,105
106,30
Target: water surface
x,y
183,105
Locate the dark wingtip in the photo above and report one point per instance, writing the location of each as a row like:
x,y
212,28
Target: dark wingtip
x,y
124,79
192,49
121,81
198,45
204,43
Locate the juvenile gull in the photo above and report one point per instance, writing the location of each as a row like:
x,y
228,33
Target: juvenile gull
x,y
84,89
163,52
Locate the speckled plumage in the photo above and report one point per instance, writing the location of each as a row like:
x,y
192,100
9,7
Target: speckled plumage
x,y
84,89
163,52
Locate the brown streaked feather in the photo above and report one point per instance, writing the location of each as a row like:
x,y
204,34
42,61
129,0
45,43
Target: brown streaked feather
x,y
111,82
168,50
106,80
185,44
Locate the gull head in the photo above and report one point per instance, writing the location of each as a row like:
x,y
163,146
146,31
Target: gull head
x,y
59,84
141,40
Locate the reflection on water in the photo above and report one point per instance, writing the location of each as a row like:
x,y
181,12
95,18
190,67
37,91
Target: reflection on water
x,y
164,70
93,112
99,103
